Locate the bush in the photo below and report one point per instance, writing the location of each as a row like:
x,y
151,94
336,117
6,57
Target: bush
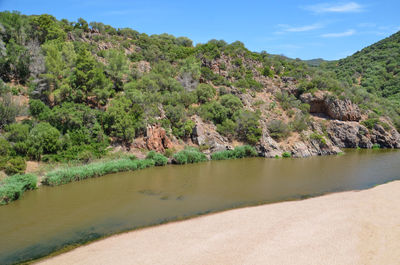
x,y
278,129
370,123
321,139
158,159
69,174
286,155
12,188
376,146
238,152
188,156
205,93
15,165
248,126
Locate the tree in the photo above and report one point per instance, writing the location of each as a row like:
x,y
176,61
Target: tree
x,y
43,139
123,119
47,28
117,67
88,80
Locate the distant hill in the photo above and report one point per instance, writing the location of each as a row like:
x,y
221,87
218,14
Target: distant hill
x,y
376,68
315,62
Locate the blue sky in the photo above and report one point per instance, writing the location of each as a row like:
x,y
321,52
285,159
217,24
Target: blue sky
x,y
298,29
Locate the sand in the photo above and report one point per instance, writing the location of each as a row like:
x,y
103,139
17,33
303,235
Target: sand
x,y
355,227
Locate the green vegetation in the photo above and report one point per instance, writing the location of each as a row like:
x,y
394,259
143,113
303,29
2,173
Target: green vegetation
x,y
188,156
286,155
84,99
12,188
319,138
69,174
159,159
238,152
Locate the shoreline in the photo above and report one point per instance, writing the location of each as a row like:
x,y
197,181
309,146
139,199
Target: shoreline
x,y
357,227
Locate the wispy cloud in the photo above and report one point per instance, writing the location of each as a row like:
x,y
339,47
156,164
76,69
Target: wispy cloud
x,y
350,7
287,28
349,32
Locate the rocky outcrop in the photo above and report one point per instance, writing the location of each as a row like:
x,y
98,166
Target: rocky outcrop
x,y
323,102
385,138
349,134
206,134
156,139
354,134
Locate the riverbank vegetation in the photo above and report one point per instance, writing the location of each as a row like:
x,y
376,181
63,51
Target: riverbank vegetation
x,y
238,152
12,188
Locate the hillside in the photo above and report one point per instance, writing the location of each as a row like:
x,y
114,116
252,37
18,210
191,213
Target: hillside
x,y
375,68
77,91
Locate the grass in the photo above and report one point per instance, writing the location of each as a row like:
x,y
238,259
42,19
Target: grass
x,y
12,188
188,156
159,159
69,174
238,152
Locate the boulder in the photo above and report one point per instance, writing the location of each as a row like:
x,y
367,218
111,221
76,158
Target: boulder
x,y
206,134
156,139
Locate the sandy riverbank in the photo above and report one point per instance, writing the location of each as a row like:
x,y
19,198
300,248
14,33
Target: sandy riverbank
x,y
356,227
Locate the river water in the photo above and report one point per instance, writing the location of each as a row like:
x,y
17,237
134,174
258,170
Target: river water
x,y
50,218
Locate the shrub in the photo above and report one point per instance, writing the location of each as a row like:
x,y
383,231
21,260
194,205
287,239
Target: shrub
x,y
158,159
278,129
69,174
15,165
188,156
376,146
205,92
12,188
370,123
238,152
248,126
286,155
315,136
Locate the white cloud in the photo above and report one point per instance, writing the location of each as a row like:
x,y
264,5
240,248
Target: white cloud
x,y
350,7
288,28
339,34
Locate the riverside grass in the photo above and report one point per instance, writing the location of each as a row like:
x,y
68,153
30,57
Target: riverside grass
x,y
12,188
238,152
69,174
189,155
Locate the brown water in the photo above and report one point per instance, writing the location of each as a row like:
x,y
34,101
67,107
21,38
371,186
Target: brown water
x,y
50,218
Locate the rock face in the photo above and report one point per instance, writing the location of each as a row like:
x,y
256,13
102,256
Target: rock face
x,y
385,139
206,134
156,139
322,102
349,134
353,134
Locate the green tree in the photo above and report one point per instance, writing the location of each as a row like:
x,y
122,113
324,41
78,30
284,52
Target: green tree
x,y
123,118
43,139
117,67
88,80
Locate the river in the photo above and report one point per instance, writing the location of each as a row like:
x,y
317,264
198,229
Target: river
x,y
50,218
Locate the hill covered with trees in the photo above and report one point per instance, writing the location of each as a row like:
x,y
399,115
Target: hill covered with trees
x,y
76,91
